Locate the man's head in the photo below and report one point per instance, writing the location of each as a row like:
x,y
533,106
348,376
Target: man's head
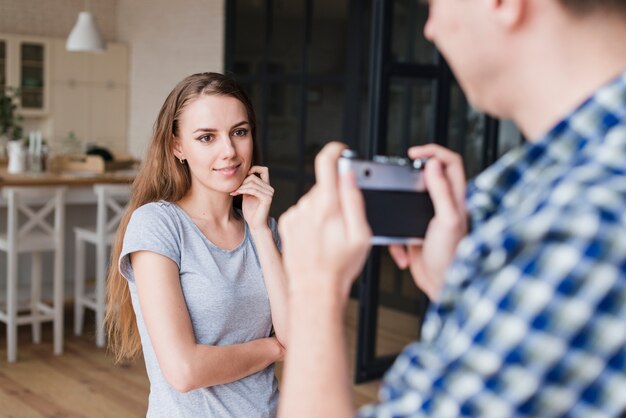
x,y
505,51
584,7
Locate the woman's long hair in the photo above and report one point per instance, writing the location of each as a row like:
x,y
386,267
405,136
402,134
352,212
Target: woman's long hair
x,y
161,177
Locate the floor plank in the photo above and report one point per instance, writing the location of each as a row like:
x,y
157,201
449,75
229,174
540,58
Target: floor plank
x,y
85,382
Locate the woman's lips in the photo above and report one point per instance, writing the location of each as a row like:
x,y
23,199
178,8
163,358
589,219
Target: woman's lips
x,y
228,171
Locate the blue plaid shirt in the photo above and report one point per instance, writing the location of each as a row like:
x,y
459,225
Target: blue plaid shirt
x,y
532,320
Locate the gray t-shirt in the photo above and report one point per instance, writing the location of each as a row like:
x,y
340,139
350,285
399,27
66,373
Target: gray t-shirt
x,y
227,303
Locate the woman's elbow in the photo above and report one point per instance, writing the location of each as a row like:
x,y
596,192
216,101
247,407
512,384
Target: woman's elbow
x,y
180,376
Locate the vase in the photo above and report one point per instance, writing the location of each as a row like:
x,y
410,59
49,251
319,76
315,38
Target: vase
x,y
17,157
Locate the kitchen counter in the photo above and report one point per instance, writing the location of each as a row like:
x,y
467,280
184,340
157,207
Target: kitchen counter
x,y
70,179
80,184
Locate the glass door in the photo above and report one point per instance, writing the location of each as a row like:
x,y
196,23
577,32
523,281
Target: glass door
x,y
360,71
415,100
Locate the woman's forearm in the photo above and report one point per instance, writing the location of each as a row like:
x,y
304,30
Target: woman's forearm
x,y
206,365
275,280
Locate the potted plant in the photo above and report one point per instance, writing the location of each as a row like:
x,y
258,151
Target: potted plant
x,y
11,130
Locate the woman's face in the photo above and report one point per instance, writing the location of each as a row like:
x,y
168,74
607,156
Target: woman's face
x,y
215,139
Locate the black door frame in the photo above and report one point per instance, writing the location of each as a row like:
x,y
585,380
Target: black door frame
x,y
381,71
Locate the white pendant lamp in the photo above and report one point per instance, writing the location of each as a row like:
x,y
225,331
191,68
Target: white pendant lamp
x,y
85,36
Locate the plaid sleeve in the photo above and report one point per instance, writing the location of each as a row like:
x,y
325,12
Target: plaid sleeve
x,y
537,329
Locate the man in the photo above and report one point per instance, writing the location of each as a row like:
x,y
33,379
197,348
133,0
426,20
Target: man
x,y
529,307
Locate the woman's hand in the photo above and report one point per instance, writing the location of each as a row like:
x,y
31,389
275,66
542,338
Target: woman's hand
x,y
280,350
445,181
257,197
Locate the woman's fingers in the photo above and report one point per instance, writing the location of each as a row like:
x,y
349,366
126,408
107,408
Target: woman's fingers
x,y
253,179
253,190
263,171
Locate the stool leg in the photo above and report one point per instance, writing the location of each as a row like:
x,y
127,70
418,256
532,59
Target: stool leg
x,y
79,286
35,296
58,300
101,264
12,306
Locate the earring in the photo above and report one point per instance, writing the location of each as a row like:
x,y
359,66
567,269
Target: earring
x,y
182,160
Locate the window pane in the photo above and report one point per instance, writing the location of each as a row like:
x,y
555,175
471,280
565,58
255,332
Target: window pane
x,y
408,43
401,304
284,194
466,132
324,119
328,39
32,75
283,125
411,114
287,37
249,35
509,137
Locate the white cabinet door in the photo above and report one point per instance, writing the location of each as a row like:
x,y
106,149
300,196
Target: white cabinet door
x,y
70,105
90,95
109,115
111,67
4,61
27,66
69,67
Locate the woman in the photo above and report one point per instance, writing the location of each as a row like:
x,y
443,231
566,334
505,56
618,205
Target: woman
x,y
200,284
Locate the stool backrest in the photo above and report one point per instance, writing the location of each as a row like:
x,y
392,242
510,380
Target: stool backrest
x,y
112,200
35,205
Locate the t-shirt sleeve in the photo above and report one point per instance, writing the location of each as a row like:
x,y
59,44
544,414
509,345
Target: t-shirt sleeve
x,y
152,229
274,228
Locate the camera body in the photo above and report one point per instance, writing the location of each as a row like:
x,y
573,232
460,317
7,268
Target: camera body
x,y
397,205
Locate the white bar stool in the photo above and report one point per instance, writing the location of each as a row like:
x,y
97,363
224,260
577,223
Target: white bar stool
x,y
29,231
112,199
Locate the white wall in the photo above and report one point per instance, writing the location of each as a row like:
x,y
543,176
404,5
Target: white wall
x,y
168,40
55,17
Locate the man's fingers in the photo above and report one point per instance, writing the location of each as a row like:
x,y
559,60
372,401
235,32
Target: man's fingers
x,y
353,209
440,191
452,166
326,165
399,255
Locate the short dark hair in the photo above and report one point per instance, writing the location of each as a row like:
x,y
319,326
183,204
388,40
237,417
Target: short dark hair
x,y
583,7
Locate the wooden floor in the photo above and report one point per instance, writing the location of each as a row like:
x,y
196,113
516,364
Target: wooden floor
x,y
84,382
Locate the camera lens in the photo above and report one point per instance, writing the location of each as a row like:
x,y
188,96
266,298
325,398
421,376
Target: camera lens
x,y
366,172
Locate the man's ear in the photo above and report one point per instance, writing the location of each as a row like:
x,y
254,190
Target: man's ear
x,y
509,13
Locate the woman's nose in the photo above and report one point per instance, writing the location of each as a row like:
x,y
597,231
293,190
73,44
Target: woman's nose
x,y
228,150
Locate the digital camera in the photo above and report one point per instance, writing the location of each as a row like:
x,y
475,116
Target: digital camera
x,y
397,205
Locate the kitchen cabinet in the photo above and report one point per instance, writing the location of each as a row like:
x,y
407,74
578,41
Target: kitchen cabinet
x,y
24,63
90,95
63,92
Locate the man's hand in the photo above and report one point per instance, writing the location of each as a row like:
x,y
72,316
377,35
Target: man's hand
x,y
326,235
326,239
445,181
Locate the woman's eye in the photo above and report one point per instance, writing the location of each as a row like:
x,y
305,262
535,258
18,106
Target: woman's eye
x,y
240,132
205,138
